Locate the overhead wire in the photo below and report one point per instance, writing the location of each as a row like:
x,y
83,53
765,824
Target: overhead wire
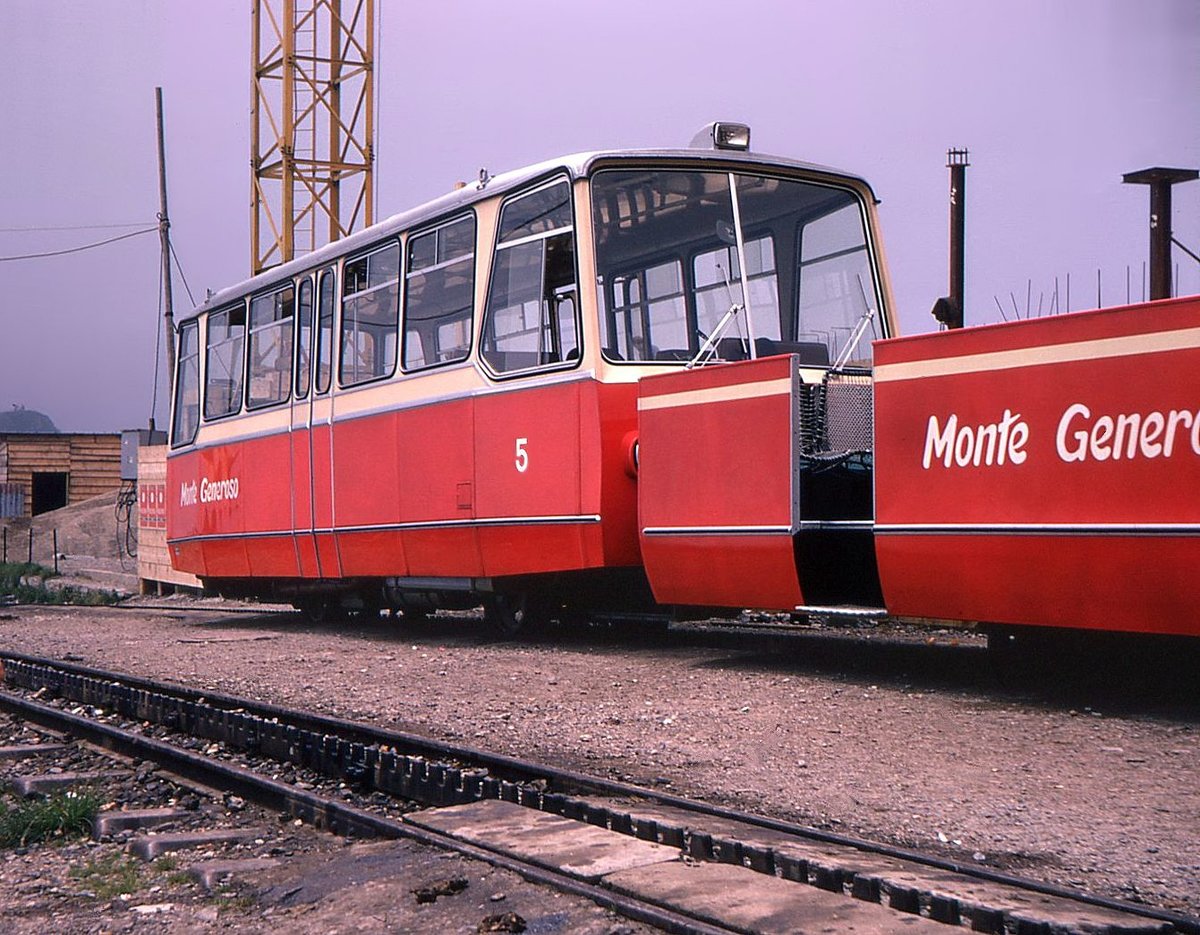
x,y
90,246
68,227
179,266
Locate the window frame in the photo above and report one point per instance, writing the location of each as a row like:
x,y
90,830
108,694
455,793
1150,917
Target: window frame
x,y
789,315
557,177
251,331
322,337
379,247
182,360
406,271
306,280
241,364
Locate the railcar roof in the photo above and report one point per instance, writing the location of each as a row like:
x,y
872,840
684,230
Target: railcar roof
x,y
576,164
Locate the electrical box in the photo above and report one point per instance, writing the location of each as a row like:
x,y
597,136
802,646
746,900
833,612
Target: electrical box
x,y
131,440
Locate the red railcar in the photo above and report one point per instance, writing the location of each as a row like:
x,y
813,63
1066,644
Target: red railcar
x,y
443,409
653,380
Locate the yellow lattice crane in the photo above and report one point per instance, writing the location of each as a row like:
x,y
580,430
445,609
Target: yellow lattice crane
x,y
312,125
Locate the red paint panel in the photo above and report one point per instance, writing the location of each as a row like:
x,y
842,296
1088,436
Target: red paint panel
x,y
1102,583
327,555
366,471
446,552
1110,440
527,452
379,553
716,451
615,490
322,475
434,452
272,557
723,571
534,549
302,490
306,555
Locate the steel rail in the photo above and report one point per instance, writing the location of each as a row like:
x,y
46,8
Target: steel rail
x,y
518,770
337,816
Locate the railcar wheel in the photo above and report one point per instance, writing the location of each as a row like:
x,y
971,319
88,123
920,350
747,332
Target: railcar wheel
x,y
514,615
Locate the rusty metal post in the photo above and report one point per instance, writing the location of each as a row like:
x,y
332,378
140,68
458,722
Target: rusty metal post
x,y
949,308
1160,180
956,162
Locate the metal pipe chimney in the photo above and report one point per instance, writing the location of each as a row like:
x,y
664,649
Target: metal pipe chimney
x,y
1160,181
949,309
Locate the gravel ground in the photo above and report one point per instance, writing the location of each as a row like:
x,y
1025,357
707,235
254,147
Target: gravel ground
x,y
901,737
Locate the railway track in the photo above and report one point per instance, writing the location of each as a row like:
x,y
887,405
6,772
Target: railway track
x,y
645,853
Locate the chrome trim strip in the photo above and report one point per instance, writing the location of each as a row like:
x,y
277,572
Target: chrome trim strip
x,y
808,525
1039,529
717,531
484,522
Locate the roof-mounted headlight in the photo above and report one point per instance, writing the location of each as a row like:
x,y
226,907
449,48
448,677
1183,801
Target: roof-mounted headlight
x,y
721,134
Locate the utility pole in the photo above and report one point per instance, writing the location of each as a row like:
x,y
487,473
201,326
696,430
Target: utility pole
x,y
164,236
1160,180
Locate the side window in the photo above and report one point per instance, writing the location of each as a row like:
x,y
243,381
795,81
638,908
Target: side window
x,y
187,386
439,295
223,362
370,311
271,335
325,300
530,320
304,336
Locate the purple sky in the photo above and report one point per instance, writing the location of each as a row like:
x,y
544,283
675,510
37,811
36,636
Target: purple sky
x,y
1055,100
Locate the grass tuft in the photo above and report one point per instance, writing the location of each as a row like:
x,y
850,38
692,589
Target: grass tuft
x,y
25,583
108,876
60,815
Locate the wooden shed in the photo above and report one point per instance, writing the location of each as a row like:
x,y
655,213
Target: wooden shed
x,y
40,472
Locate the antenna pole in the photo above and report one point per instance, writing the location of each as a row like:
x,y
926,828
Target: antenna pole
x,y
164,236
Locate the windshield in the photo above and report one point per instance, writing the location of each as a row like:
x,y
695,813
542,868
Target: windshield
x,y
668,275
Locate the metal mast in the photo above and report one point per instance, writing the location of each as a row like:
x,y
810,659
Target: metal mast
x,y
312,125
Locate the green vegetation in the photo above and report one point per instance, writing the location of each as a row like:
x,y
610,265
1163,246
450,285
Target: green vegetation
x,y
25,583
108,876
57,816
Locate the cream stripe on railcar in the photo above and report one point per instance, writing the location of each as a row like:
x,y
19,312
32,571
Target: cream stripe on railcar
x,y
1072,351
717,394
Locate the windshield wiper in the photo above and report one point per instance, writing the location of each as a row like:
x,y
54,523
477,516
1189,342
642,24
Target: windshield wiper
x,y
709,347
860,328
